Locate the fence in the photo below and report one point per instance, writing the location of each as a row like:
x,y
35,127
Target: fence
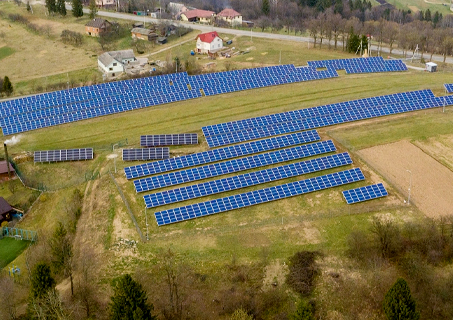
x,y
18,233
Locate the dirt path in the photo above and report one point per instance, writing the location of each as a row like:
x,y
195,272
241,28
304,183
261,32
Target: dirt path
x,y
432,183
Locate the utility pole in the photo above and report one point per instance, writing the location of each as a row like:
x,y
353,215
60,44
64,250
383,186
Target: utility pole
x,y
146,220
409,188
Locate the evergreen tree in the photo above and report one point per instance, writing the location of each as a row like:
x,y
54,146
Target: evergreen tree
x,y
77,8
93,9
398,303
7,86
62,253
353,41
28,6
41,281
129,301
61,9
304,311
266,7
51,6
428,15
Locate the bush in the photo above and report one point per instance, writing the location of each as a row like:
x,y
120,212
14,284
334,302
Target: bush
x,y
303,271
71,37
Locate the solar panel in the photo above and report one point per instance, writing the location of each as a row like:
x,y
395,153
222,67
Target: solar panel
x,y
232,166
246,180
258,196
448,88
134,154
61,155
167,140
221,154
364,193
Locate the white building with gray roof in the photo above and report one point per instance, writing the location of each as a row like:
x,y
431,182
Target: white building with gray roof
x,y
113,63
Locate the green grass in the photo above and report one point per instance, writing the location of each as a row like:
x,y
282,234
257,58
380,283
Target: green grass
x,y
433,5
5,52
10,248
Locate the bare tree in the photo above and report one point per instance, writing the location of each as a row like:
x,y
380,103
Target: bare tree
x,y
390,32
387,233
8,298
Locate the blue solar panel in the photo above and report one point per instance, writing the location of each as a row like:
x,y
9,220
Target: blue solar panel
x,y
245,180
448,88
326,120
257,197
364,193
232,166
220,154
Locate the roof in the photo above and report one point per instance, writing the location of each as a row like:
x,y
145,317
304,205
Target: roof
x,y
122,54
229,13
96,23
142,31
431,63
106,59
4,206
208,37
197,13
4,169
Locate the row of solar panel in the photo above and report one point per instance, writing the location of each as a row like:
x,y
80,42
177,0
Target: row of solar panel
x,y
232,166
313,112
448,88
220,154
171,139
62,155
257,197
326,120
364,193
134,154
246,180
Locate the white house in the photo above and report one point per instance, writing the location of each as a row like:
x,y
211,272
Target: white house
x,y
209,42
231,16
113,63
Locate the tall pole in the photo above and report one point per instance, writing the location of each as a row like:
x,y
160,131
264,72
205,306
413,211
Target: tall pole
x,y
409,188
7,160
251,34
146,220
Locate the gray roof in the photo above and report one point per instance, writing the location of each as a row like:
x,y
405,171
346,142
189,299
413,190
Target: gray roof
x,y
142,31
108,57
97,23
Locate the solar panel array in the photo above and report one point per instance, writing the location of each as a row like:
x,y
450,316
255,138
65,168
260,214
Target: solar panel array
x,y
364,193
327,120
258,197
360,65
134,154
65,106
61,155
246,180
448,88
232,166
220,154
268,120
167,140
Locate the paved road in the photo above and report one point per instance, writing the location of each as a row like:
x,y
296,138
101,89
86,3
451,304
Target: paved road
x,y
253,34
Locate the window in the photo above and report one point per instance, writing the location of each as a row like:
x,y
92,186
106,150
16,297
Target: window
x,y
219,46
110,68
114,64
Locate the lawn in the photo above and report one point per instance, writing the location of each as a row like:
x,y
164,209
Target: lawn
x,y
441,6
10,248
5,52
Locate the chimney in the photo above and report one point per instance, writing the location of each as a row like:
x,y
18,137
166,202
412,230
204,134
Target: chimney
x,y
7,160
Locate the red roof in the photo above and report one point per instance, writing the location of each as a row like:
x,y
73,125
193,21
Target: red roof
x,y
208,37
197,13
229,13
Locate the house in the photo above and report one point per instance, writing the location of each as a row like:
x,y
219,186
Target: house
x,y
176,9
144,34
231,17
4,169
113,63
5,212
97,26
105,3
209,42
197,15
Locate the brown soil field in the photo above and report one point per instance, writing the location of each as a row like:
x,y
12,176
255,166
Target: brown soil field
x,y
432,183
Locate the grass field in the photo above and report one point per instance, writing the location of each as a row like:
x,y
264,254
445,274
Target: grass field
x,y
5,52
10,248
441,6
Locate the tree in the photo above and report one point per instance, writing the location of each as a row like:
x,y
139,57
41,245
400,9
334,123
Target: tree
x,y
7,86
304,310
399,304
62,253
387,234
302,272
77,8
240,314
129,301
61,8
93,9
51,6
29,8
266,7
41,280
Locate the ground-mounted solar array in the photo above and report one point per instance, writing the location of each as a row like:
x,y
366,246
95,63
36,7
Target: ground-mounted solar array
x,y
246,180
168,140
134,154
220,154
364,193
62,155
360,65
65,106
258,197
448,88
232,166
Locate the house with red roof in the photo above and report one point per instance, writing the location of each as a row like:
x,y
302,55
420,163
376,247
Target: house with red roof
x,y
209,42
197,15
230,16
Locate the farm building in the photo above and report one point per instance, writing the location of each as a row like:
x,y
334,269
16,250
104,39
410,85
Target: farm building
x,y
230,16
144,34
198,15
97,26
113,63
208,43
105,3
4,169
176,9
5,212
